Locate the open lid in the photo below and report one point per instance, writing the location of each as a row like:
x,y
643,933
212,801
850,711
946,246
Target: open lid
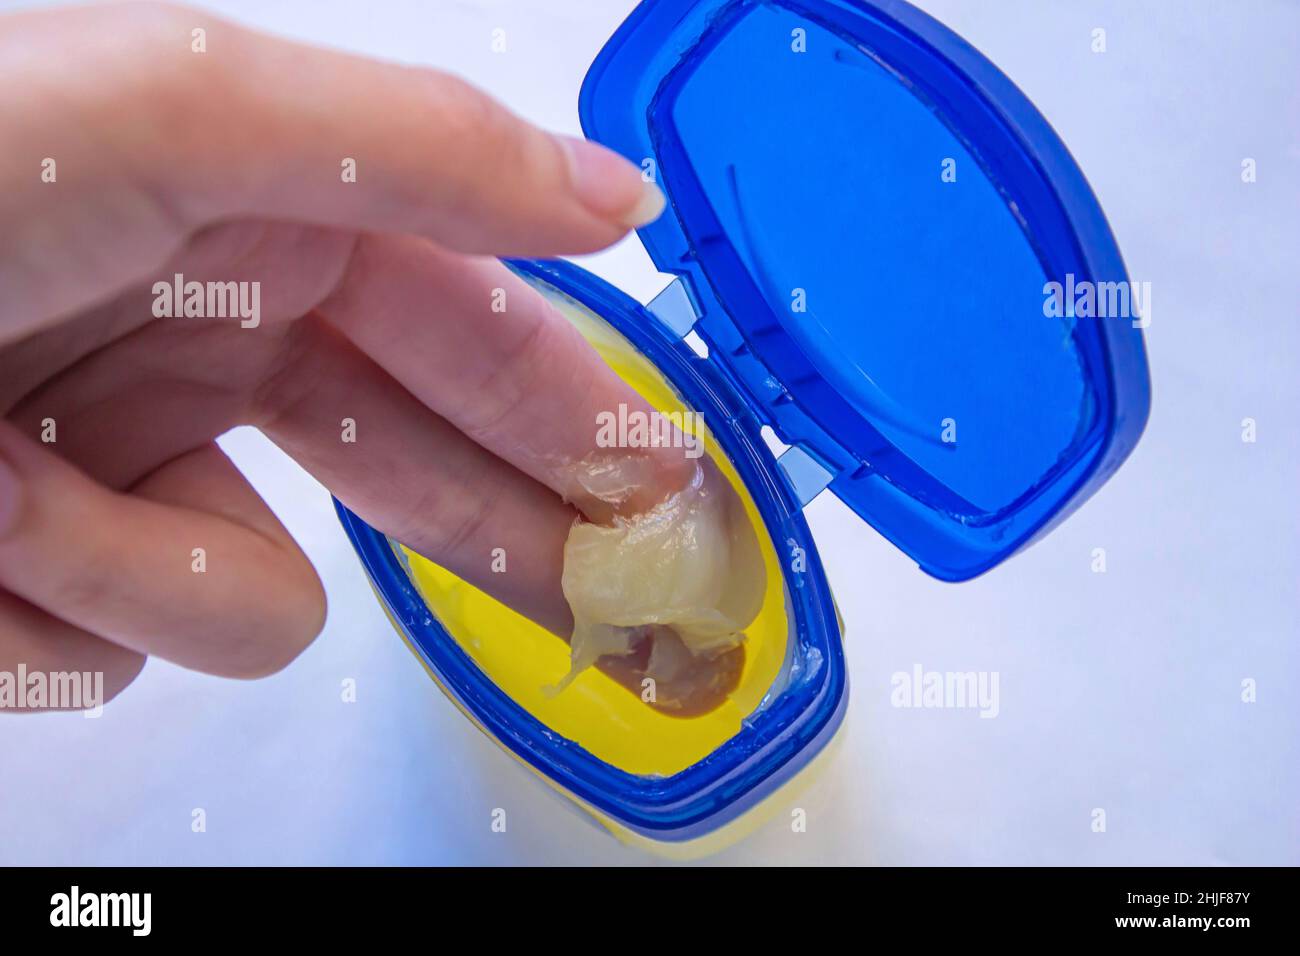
x,y
891,254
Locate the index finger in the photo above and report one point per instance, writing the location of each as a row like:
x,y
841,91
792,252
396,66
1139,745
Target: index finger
x,y
153,137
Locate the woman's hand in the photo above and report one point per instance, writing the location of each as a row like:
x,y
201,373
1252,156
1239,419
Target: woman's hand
x,y
131,158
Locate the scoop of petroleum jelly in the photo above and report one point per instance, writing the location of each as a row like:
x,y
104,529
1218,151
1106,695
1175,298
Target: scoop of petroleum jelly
x,y
691,563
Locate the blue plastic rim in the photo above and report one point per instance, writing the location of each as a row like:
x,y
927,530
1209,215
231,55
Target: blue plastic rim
x,y
867,213
777,740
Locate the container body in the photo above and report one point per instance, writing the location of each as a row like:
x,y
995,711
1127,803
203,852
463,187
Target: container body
x,y
699,778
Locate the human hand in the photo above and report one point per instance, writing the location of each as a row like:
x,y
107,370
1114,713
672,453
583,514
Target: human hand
x,y
375,306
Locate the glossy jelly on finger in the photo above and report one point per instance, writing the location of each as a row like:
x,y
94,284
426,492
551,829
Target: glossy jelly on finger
x,y
689,565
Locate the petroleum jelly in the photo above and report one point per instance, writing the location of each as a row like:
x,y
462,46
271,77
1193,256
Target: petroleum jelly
x,y
690,565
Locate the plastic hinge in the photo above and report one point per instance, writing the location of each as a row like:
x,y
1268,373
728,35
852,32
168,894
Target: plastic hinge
x,y
808,477
675,308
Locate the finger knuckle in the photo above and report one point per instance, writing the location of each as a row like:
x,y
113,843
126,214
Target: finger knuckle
x,y
480,133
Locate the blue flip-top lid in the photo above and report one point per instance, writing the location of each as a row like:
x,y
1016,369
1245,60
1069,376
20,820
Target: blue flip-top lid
x,y
891,254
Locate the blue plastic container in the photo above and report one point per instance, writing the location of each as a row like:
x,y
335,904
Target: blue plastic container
x,y
865,219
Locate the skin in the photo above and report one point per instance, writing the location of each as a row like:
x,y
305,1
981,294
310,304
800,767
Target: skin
x,y
376,305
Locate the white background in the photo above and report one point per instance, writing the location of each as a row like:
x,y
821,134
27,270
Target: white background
x,y
1119,690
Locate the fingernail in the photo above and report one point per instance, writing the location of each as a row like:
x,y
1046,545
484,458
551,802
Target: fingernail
x,y
649,205
610,186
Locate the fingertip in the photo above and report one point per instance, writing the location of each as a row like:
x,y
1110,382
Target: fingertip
x,y
289,628
609,186
125,668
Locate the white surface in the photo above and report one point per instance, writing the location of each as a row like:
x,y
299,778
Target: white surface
x,y
1118,690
